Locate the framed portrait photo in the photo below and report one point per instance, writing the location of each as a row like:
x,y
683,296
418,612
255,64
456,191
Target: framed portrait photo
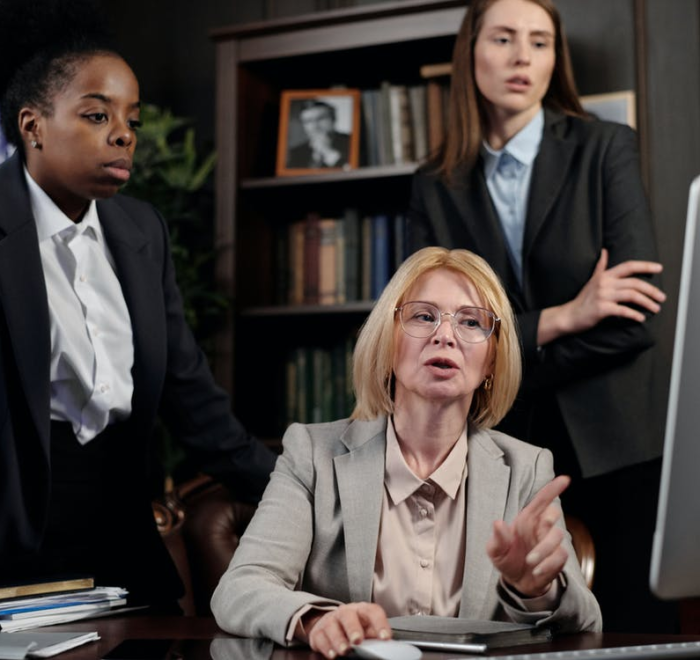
x,y
319,131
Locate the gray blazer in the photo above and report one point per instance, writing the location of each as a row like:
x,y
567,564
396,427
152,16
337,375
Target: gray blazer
x,y
314,536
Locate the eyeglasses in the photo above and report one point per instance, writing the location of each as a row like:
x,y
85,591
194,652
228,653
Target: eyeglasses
x,y
471,324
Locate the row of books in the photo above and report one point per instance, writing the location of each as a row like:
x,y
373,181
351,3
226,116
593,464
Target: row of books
x,y
403,123
318,383
332,261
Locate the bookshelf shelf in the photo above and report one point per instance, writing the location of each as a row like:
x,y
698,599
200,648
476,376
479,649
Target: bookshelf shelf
x,y
362,307
267,339
359,174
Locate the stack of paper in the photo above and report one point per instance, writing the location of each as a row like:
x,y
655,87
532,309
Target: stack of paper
x,y
25,613
41,645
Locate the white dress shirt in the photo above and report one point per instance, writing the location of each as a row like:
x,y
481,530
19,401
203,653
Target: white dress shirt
x,y
92,349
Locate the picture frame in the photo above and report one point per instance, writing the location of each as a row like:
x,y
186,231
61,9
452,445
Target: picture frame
x,y
620,107
319,131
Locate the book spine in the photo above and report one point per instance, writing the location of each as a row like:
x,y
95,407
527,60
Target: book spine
x,y
295,278
436,116
327,280
419,121
312,245
369,118
351,220
366,258
340,281
380,254
384,116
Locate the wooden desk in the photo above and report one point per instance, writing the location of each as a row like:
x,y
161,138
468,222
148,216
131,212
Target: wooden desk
x,y
201,639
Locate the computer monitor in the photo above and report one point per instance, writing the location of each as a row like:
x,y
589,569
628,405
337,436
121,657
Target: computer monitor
x,y
675,562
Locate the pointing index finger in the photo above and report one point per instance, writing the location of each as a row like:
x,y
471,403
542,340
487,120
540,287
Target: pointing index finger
x,y
547,494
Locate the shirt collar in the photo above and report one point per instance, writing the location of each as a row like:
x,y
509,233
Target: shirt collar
x,y
523,146
51,221
400,480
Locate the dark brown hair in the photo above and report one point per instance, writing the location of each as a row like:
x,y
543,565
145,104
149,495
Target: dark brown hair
x,y
467,119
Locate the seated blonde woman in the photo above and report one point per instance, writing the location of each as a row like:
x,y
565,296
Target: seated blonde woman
x,y
414,505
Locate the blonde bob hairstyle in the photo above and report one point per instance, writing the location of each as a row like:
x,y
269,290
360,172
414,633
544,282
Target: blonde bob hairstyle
x,y
373,359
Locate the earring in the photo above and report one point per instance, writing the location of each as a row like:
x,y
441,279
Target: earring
x,y
488,382
34,144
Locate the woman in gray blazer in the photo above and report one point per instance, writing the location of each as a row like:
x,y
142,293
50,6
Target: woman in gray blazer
x,y
414,505
553,199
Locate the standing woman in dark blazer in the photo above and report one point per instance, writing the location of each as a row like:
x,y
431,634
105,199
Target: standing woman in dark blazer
x,y
553,199
93,339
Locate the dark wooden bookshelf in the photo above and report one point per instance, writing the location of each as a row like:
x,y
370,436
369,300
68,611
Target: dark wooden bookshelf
x,y
357,47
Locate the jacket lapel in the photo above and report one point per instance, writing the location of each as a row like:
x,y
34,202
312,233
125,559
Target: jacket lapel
x,y
549,175
487,493
472,202
23,295
360,475
141,284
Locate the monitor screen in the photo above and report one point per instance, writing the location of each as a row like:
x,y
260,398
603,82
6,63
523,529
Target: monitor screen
x,y
675,562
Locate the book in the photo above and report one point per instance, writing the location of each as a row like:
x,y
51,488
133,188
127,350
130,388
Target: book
x,y
56,619
312,246
417,98
42,645
351,221
380,255
436,70
62,603
400,121
369,125
366,258
59,585
436,114
327,266
475,636
384,124
340,282
295,281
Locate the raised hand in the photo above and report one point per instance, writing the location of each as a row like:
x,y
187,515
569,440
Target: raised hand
x,y
609,292
333,633
528,552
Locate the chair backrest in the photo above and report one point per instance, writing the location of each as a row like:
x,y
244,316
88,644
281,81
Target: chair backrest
x,y
201,525
583,544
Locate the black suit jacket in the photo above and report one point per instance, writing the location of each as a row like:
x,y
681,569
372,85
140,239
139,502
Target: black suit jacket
x,y
586,194
170,374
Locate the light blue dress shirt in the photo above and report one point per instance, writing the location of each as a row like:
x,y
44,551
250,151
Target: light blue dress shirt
x,y
508,173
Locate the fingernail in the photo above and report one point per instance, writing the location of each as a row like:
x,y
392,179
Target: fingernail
x,y
532,558
343,648
537,570
332,654
384,634
356,638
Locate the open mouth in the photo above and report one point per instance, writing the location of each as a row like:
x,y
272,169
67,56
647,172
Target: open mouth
x,y
442,364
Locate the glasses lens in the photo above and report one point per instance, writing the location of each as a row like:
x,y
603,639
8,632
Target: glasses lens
x,y
474,324
419,319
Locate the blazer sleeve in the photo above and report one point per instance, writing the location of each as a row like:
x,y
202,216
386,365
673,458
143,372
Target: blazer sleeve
x,y
197,411
624,215
257,596
577,609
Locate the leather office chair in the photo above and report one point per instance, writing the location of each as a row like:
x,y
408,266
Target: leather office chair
x,y
202,525
584,547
